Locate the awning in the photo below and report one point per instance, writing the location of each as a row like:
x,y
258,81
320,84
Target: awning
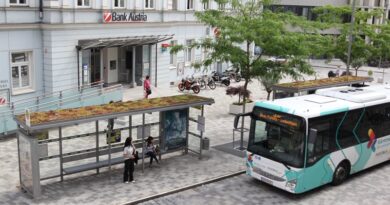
x,y
122,41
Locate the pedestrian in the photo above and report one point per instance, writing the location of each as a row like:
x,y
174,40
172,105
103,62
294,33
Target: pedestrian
x,y
147,88
129,157
151,150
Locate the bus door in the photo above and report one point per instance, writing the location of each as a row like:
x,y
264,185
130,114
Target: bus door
x,y
318,147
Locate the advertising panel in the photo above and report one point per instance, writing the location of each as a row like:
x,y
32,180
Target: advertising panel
x,y
26,173
175,129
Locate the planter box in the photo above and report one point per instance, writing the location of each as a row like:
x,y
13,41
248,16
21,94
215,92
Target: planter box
x,y
237,109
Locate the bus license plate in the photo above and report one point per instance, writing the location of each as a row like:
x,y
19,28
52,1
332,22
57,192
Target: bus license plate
x,y
266,180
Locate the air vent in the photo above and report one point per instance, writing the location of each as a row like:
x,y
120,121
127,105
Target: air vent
x,y
358,95
320,99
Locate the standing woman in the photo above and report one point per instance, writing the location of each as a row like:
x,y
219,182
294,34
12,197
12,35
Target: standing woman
x,y
147,88
128,155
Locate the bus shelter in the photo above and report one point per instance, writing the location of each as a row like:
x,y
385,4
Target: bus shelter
x,y
310,86
173,130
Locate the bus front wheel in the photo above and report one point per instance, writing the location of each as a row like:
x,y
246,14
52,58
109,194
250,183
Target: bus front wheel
x,y
341,173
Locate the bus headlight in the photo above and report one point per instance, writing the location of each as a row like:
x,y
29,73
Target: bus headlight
x,y
291,184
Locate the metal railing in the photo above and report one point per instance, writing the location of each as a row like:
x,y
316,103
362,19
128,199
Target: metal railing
x,y
96,95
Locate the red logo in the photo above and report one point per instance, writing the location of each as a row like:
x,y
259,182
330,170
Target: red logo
x,y
2,101
107,17
217,32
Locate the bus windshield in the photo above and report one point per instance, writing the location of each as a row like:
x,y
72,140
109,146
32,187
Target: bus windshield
x,y
277,136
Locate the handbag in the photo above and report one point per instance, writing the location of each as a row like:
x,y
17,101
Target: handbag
x,y
136,157
148,91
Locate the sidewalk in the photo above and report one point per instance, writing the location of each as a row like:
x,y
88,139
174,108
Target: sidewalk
x,y
176,170
338,64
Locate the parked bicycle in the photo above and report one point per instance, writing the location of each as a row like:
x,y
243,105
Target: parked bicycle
x,y
205,81
220,78
233,74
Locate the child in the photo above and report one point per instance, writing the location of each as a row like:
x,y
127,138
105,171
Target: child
x,y
151,150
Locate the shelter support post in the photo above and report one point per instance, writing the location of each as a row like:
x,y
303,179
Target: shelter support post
x,y
201,135
109,149
97,144
143,141
130,124
187,128
60,152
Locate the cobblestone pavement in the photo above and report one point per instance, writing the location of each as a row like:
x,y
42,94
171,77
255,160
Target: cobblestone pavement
x,y
175,170
366,188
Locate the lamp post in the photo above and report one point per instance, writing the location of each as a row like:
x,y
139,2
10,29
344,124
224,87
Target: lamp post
x,y
350,37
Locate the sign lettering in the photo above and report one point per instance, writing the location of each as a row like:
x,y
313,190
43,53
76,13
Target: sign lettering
x,y
123,17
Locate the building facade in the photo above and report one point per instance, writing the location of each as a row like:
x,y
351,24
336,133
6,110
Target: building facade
x,y
52,45
304,7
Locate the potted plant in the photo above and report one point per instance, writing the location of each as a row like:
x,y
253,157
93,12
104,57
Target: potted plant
x,y
236,107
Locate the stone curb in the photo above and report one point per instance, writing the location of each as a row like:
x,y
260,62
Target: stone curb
x,y
148,198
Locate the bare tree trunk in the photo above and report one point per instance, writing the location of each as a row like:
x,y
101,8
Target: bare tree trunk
x,y
356,70
268,95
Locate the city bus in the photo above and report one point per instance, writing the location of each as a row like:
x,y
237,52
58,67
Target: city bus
x,y
300,143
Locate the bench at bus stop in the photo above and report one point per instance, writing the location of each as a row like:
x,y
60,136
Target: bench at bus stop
x,y
116,148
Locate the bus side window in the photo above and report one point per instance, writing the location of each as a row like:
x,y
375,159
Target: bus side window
x,y
374,118
322,143
346,137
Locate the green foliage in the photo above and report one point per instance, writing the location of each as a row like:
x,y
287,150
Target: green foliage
x,y
276,33
368,40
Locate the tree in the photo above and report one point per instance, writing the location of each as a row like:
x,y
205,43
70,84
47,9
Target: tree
x,y
381,45
252,22
362,48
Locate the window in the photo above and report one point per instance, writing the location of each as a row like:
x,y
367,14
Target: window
x,y
221,6
346,138
149,4
119,3
189,51
376,118
190,4
172,4
18,2
206,5
21,70
173,57
325,141
83,3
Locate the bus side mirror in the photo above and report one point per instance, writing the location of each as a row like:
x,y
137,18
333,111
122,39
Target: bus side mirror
x,y
237,118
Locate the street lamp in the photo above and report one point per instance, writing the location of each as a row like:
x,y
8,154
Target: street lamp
x,y
350,38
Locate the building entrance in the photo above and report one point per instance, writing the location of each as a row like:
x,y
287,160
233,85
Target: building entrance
x,y
118,60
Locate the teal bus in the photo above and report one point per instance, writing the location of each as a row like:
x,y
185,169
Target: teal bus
x,y
300,143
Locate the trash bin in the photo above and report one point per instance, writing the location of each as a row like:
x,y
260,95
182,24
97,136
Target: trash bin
x,y
205,143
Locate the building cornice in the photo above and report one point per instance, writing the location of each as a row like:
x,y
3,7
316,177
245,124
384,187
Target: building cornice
x,y
96,25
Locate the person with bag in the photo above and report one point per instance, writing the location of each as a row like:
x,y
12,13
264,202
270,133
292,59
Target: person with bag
x,y
129,157
147,87
151,150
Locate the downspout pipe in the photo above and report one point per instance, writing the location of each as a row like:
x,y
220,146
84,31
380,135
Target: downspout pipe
x,y
78,48
41,10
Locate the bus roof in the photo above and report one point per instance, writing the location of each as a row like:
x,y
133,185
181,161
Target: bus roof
x,y
330,100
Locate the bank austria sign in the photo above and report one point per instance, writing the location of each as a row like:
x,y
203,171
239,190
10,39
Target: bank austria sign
x,y
123,17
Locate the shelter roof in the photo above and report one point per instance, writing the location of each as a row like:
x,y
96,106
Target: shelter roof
x,y
299,86
122,41
64,117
